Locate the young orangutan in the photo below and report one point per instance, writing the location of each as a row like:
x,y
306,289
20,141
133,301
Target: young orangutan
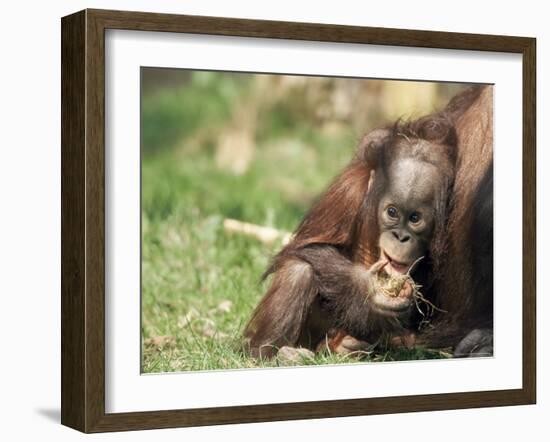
x,y
351,274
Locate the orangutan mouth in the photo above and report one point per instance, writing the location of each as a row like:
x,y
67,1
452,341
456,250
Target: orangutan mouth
x,y
395,267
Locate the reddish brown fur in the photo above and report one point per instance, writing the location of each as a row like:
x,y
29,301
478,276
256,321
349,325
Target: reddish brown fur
x,y
315,287
465,282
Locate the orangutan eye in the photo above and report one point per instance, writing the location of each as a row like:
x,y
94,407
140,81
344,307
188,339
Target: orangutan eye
x,y
392,212
415,217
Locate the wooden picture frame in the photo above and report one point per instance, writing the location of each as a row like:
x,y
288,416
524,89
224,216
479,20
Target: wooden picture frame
x,y
83,219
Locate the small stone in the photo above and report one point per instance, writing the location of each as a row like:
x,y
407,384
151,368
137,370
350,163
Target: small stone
x,y
291,356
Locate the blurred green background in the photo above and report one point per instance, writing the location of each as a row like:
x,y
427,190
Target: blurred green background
x,y
252,147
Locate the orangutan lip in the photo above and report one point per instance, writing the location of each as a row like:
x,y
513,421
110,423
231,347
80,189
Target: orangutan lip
x,y
398,266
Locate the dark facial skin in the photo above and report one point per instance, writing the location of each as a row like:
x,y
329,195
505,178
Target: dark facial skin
x,y
406,213
406,220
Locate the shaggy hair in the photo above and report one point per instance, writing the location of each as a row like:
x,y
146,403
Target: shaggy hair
x,y
342,229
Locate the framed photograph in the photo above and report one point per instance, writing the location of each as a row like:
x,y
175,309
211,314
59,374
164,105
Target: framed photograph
x,y
269,220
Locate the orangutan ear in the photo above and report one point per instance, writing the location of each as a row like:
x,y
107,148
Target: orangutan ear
x,y
372,145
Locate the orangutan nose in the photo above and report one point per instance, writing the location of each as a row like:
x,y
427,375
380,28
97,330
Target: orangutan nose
x,y
400,236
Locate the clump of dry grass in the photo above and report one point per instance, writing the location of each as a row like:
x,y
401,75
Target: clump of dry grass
x,y
392,285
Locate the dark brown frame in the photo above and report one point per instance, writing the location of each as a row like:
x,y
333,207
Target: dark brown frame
x,y
83,216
